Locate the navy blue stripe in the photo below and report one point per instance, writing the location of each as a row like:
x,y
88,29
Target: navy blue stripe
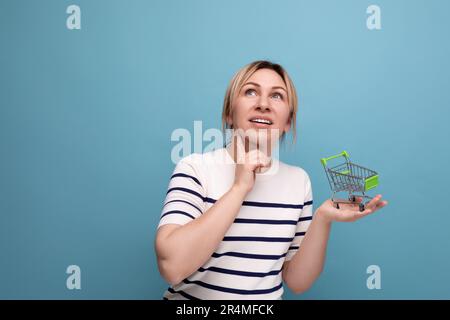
x,y
264,239
266,204
293,247
177,212
272,205
304,218
232,290
186,190
184,294
263,221
245,203
248,255
241,273
184,202
186,176
308,203
300,234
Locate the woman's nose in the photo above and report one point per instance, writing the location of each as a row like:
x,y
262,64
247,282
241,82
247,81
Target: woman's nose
x,y
263,104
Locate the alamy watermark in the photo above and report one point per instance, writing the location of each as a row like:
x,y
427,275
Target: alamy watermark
x,y
74,279
73,21
373,21
374,280
187,142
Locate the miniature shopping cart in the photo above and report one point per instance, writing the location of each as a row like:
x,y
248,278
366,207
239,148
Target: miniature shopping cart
x,y
351,178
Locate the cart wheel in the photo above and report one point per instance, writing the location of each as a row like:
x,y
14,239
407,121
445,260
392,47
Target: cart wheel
x,y
361,207
352,198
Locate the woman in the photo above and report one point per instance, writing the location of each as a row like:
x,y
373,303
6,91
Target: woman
x,y
234,218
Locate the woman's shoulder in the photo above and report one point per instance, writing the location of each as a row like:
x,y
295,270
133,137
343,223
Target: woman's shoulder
x,y
294,171
299,180
212,157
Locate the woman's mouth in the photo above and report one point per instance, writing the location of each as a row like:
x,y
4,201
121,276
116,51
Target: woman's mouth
x,y
260,122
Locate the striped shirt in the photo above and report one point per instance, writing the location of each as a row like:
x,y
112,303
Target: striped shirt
x,y
267,230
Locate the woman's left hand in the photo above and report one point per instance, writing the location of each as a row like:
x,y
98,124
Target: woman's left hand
x,y
349,212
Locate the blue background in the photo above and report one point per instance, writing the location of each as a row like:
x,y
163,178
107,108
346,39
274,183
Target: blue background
x,y
86,118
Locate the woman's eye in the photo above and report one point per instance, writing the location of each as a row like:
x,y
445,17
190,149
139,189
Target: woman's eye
x,y
249,90
279,95
253,92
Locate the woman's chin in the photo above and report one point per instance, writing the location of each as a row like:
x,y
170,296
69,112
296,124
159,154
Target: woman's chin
x,y
261,137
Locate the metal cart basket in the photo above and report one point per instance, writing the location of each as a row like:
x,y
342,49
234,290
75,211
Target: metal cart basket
x,y
349,177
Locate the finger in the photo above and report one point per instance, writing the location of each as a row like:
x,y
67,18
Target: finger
x,y
352,205
256,165
264,158
260,157
373,203
255,159
380,205
240,149
354,209
365,212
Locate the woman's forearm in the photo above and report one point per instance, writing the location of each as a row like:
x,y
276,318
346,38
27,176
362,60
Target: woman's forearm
x,y
307,264
188,247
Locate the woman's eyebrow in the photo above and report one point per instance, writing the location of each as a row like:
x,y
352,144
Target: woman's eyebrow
x,y
256,84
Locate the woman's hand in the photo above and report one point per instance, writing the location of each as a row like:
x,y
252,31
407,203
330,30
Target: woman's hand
x,y
246,164
349,212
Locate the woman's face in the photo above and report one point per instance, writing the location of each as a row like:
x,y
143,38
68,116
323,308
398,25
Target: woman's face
x,y
262,105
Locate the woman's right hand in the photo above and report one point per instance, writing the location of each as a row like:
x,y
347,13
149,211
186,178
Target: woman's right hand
x,y
247,163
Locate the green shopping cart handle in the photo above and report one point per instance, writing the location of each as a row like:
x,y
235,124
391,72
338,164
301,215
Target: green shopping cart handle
x,y
342,154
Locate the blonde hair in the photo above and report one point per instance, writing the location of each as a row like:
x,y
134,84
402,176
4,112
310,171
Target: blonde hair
x,y
241,77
